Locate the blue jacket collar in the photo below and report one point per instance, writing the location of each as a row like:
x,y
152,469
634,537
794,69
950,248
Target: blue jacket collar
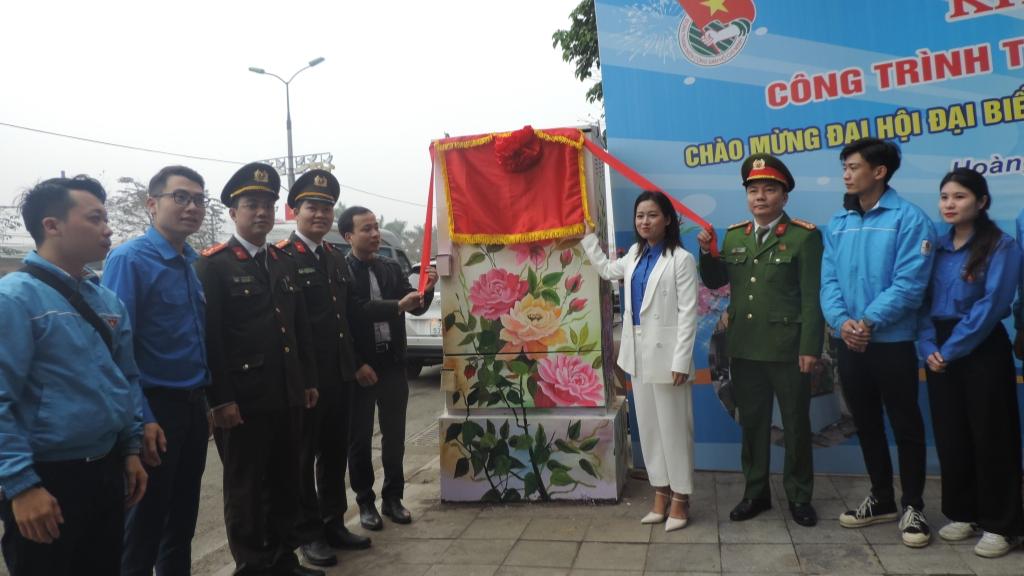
x,y
34,258
945,241
889,199
654,250
167,252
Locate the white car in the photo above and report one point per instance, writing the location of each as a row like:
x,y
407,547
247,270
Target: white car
x,y
425,344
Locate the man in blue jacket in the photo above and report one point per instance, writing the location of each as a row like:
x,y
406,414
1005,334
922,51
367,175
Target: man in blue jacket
x,y
876,266
154,278
70,408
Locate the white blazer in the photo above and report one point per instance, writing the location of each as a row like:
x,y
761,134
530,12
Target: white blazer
x,y
668,315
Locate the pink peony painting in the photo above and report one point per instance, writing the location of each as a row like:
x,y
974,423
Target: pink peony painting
x,y
496,293
567,381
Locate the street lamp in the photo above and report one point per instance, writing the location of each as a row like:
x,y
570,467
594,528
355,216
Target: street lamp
x,y
288,103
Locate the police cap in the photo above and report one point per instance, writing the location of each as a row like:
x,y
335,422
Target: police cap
x,y
766,167
315,185
254,177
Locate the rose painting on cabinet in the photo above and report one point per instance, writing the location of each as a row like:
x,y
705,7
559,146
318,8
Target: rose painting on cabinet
x,y
524,370
525,327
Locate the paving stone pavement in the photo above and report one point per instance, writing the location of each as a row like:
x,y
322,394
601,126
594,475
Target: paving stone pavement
x,y
580,539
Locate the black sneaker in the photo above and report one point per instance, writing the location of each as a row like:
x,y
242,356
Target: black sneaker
x,y
870,511
915,528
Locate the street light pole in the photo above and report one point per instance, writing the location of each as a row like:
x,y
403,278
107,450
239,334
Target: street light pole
x,y
291,158
288,104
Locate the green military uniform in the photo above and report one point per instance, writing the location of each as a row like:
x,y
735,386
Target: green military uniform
x,y
774,316
260,354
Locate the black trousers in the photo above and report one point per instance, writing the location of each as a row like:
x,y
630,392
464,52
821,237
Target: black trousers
x,y
159,529
391,395
977,434
884,380
91,500
261,488
323,461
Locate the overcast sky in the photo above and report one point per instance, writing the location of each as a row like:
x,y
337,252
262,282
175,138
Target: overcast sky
x,y
174,76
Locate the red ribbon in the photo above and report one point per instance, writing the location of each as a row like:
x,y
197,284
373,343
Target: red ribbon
x,y
428,231
646,184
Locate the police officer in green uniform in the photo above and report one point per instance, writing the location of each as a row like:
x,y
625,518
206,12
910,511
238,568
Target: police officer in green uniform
x,y
260,355
774,332
324,277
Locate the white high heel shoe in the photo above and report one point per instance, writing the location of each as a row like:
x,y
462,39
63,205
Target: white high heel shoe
x,y
677,523
654,517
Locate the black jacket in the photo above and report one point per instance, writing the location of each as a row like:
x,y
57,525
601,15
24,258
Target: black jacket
x,y
258,342
325,287
394,285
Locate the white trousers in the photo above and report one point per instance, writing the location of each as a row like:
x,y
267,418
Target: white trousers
x,y
664,414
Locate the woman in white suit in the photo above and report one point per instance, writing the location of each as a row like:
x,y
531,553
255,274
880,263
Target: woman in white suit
x,y
659,325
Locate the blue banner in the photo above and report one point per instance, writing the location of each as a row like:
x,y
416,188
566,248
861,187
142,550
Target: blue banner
x,y
692,87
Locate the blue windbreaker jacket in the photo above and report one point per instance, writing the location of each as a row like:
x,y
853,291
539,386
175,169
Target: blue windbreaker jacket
x,y
877,266
62,395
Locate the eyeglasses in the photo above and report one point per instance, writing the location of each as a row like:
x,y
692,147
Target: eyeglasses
x,y
201,202
256,207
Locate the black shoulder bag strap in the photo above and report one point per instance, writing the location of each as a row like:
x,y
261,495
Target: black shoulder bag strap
x,y
75,298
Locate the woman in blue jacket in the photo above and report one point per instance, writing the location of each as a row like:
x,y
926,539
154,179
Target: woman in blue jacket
x,y
972,381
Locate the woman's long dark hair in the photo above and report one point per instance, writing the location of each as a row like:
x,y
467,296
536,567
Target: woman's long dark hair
x,y
986,234
672,239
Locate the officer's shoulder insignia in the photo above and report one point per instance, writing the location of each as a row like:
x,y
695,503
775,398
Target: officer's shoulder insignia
x,y
284,243
803,224
301,247
213,250
780,229
240,253
739,225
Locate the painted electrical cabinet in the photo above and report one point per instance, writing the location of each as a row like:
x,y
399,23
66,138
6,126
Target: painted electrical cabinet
x,y
530,405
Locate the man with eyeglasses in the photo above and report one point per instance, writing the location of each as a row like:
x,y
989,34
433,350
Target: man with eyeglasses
x,y
153,276
264,374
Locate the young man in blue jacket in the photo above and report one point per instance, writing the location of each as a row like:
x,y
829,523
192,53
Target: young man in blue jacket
x,y
70,408
876,266
154,278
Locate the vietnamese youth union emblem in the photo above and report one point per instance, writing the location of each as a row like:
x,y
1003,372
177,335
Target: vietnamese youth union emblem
x,y
714,31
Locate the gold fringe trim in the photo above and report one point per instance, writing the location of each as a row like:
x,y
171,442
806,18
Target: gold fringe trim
x,y
583,187
468,143
518,238
577,144
447,194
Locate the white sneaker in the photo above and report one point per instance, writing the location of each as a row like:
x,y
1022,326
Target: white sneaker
x,y
956,531
993,545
